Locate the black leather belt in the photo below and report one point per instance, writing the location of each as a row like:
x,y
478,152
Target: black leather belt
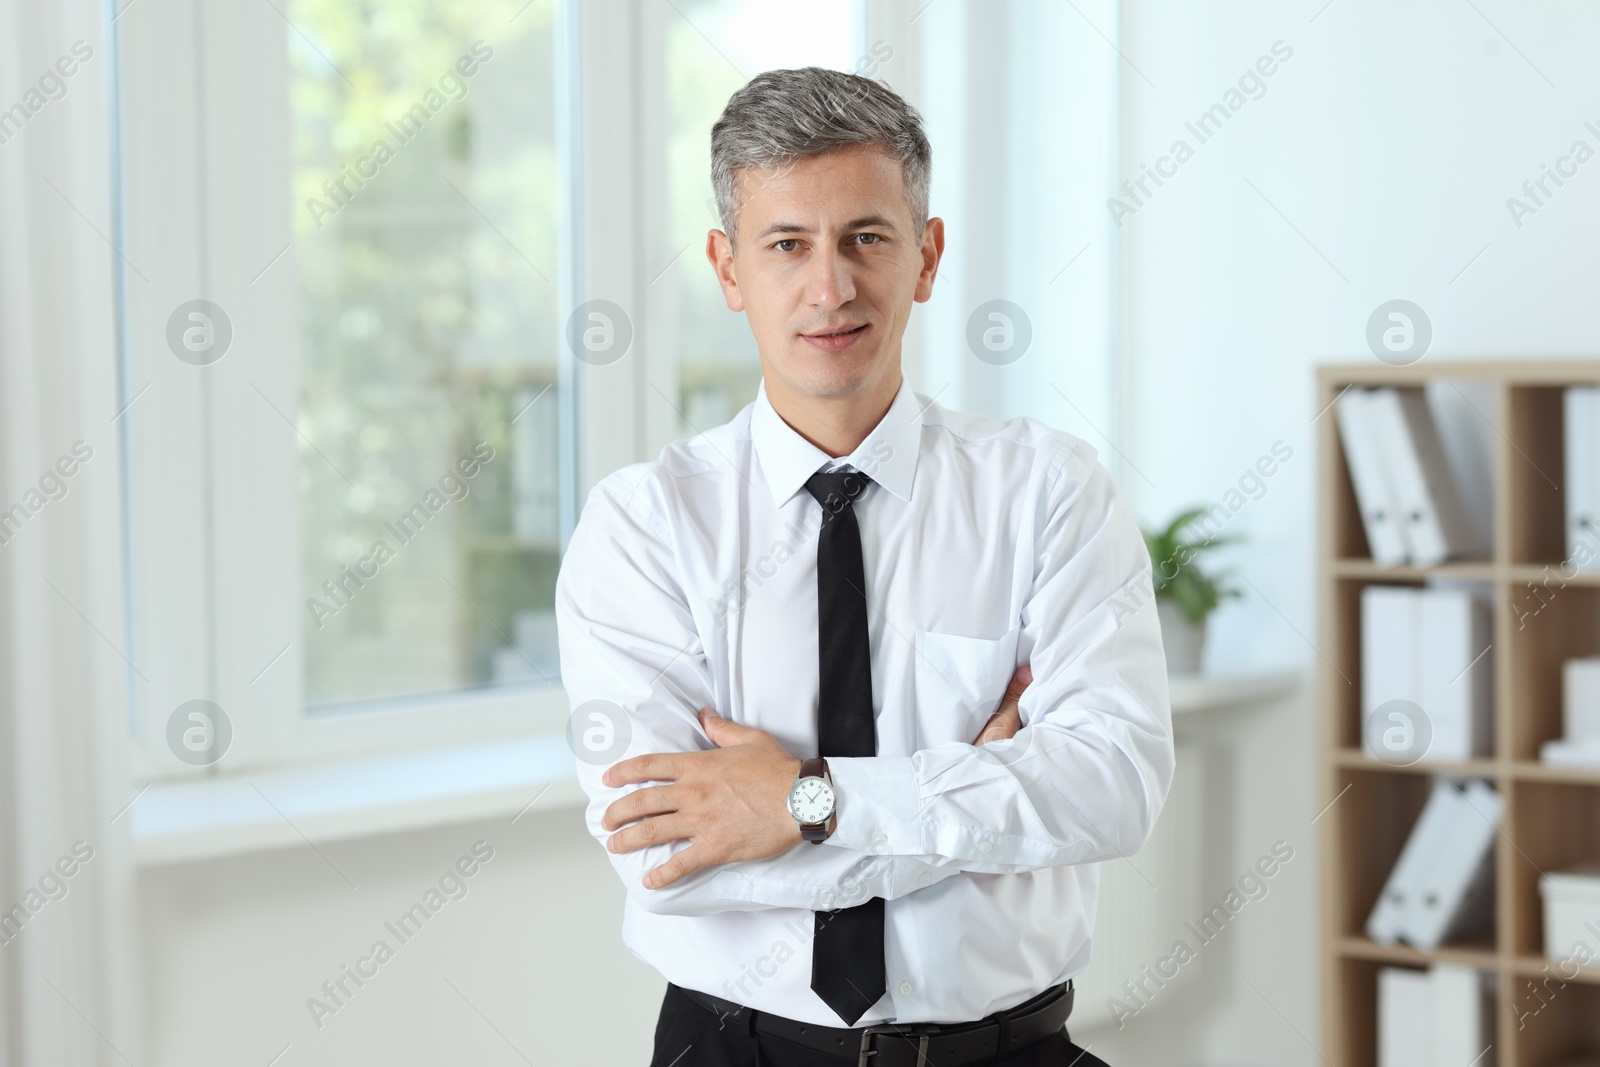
x,y
913,1044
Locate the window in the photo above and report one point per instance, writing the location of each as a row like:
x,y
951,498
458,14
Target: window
x,y
349,429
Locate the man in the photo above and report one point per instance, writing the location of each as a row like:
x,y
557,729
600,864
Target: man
x,y
785,640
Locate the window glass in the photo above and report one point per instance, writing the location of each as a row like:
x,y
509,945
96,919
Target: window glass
x,y
425,199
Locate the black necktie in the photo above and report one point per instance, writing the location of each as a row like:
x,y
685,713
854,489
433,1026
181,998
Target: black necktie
x,y
847,966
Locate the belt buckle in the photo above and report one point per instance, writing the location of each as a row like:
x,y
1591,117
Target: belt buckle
x,y
867,1034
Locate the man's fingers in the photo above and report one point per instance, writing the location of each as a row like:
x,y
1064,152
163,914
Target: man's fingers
x,y
1019,681
650,767
679,866
656,830
1001,725
725,732
652,800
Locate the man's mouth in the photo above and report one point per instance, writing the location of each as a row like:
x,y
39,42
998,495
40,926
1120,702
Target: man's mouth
x,y
834,340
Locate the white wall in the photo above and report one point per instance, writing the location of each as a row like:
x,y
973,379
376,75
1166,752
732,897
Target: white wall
x,y
1390,141
234,948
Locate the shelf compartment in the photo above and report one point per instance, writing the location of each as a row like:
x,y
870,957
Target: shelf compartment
x,y
1555,826
1343,651
1554,1023
1356,1042
1547,627
1536,473
1367,826
1467,413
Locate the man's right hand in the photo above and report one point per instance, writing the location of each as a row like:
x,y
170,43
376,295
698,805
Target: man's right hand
x,y
1007,720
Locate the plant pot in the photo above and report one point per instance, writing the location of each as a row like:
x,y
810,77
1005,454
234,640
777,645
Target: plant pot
x,y
1182,640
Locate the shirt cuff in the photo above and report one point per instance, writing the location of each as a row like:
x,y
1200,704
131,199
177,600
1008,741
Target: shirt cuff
x,y
876,798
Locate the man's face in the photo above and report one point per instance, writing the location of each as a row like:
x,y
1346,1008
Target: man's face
x,y
827,269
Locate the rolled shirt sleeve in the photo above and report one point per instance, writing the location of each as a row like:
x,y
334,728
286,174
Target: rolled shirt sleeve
x,y
1086,776
636,674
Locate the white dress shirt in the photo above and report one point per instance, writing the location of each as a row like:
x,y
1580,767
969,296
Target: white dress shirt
x,y
691,581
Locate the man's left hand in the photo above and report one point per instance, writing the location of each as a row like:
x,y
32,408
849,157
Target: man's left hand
x,y
730,802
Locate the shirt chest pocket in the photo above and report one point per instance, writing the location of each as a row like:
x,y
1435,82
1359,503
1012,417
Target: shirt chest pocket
x,y
960,682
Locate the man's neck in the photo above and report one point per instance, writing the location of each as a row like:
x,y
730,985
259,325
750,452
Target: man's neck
x,y
837,425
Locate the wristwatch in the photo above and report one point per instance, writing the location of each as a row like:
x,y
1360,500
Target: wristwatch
x,y
812,800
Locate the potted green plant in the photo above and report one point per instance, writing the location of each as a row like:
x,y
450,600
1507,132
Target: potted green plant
x,y
1185,593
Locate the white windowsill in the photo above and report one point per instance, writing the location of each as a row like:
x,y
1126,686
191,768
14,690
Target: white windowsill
x,y
176,822
1191,693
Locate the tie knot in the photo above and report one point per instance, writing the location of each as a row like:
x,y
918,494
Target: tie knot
x,y
837,490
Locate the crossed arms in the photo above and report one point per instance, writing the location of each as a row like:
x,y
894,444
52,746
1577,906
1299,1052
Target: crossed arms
x,y
1082,780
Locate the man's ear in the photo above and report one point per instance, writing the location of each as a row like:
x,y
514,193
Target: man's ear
x,y
719,251
932,252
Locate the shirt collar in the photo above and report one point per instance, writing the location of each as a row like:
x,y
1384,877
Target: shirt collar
x,y
887,455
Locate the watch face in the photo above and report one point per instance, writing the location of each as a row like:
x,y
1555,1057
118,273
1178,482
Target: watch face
x,y
811,800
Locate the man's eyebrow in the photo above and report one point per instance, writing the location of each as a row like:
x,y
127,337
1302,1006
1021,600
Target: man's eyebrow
x,y
853,224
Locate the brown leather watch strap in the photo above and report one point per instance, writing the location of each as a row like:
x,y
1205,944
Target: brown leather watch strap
x,y
816,833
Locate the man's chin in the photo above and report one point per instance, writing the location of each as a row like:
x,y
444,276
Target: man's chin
x,y
830,373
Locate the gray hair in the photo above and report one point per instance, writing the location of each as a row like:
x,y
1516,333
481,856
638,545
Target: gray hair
x,y
785,115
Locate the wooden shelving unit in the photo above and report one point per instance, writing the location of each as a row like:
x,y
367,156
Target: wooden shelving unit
x,y
1545,1015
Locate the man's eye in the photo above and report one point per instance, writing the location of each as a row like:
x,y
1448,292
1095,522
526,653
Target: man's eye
x,y
870,238
786,241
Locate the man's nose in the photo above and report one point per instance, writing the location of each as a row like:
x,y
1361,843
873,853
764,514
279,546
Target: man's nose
x,y
830,282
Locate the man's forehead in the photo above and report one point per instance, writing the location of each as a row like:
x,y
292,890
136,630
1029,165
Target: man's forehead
x,y
830,187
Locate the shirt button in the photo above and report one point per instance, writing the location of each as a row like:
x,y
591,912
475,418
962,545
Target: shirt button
x,y
880,838
827,899
984,847
905,989
925,877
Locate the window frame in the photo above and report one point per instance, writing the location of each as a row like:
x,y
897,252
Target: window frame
x,y
200,440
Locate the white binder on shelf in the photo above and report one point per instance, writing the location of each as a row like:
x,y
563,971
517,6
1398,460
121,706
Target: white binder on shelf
x,y
1388,657
1453,628
1441,1017
1369,474
1427,646
1580,698
1462,1014
1405,1018
1564,753
1455,896
1581,486
1391,916
1433,518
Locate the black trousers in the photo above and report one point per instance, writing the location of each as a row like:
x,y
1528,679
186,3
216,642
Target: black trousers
x,y
690,1035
